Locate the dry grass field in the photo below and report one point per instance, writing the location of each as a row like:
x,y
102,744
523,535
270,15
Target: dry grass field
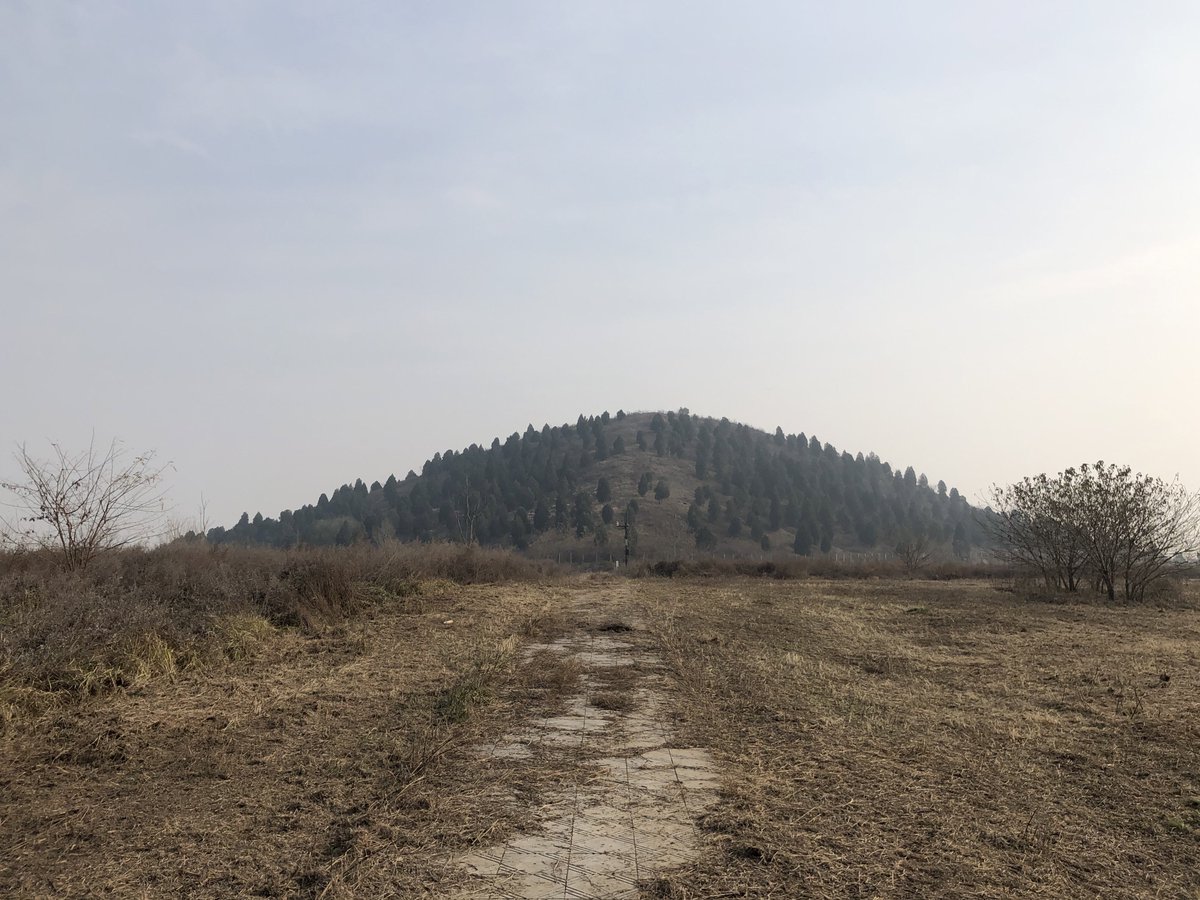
x,y
876,738
918,739
320,761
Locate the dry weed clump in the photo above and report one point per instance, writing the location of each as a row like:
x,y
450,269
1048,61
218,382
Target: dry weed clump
x,y
475,685
921,739
547,679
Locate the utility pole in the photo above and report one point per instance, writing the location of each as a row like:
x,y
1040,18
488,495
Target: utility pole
x,y
625,525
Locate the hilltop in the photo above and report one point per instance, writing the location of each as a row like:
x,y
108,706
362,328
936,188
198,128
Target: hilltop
x,y
686,483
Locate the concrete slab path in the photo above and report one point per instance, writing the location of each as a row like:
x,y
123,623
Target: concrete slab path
x,y
631,817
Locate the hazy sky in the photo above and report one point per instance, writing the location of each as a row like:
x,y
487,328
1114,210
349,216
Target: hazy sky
x,y
291,244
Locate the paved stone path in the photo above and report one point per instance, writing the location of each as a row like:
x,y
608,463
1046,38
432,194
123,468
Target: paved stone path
x,y
633,817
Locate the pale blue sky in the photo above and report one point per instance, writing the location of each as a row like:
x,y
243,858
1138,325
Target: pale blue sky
x,y
290,244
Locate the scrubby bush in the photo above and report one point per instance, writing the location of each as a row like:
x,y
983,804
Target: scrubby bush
x,y
136,614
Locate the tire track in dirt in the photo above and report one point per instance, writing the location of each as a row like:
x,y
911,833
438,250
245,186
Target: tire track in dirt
x,y
632,815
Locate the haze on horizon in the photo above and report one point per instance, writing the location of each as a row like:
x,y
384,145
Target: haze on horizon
x,y
293,244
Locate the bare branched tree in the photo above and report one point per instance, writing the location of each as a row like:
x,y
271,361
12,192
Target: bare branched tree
x,y
914,550
1123,530
202,517
1137,529
80,505
472,509
1034,526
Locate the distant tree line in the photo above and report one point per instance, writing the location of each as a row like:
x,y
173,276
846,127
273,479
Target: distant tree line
x,y
752,484
757,483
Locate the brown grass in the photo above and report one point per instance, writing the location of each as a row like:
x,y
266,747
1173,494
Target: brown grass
x,y
917,739
876,739
796,567
334,764
139,615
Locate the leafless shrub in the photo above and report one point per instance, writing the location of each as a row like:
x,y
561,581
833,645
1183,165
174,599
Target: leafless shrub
x,y
915,551
82,504
1120,530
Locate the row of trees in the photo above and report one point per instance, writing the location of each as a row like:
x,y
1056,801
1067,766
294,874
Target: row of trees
x,y
759,483
751,482
1100,526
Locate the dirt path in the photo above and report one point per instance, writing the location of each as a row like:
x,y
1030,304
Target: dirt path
x,y
628,806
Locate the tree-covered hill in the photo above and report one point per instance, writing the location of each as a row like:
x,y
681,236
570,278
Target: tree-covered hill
x,y
687,484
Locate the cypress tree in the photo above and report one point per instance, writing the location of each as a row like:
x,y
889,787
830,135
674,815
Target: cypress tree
x,y
802,546
541,515
644,483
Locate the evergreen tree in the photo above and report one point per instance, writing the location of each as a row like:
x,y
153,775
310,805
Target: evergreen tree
x,y
960,545
603,490
662,490
519,532
767,481
585,519
802,546
826,540
868,533
541,515
606,514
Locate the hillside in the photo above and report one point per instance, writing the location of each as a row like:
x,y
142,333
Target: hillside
x,y
687,484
